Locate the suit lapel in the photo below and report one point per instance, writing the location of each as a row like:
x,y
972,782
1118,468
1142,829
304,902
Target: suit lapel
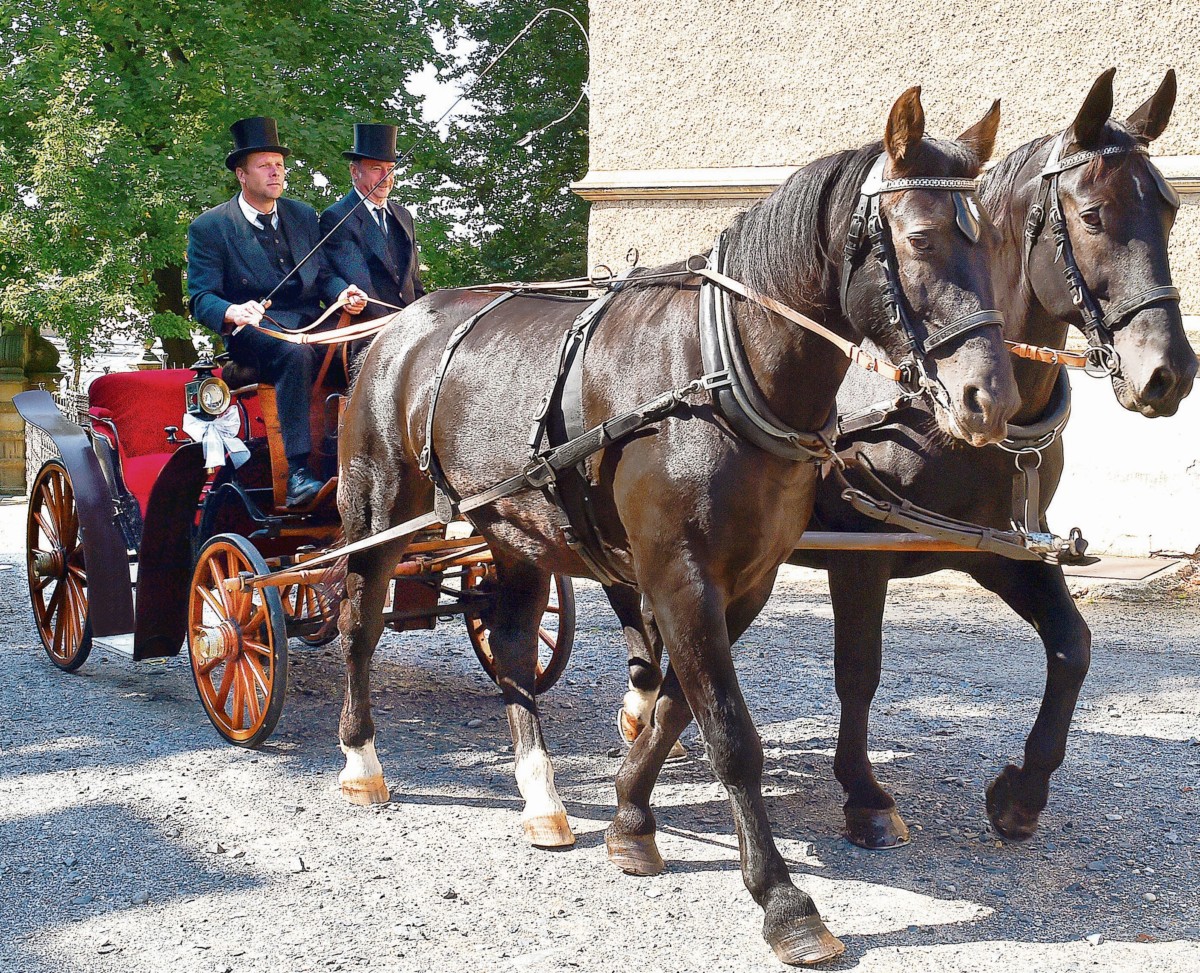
x,y
373,237
247,246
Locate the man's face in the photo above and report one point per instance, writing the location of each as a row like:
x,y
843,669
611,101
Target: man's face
x,y
262,175
366,173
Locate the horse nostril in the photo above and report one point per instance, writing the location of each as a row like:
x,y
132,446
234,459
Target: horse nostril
x,y
976,401
1161,384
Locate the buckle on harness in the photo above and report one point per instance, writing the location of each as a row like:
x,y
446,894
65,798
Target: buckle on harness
x,y
539,473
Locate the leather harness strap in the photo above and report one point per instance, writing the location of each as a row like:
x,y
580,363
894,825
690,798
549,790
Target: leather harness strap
x,y
1098,327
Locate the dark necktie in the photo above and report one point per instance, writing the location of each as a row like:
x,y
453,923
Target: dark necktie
x,y
265,220
381,219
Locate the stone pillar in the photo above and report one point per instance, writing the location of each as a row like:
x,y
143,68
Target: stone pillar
x,y
12,427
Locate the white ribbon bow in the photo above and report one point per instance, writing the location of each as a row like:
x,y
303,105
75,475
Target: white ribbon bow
x,y
218,436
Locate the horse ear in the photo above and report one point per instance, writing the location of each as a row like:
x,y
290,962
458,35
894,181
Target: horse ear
x,y
905,125
1088,127
981,137
1150,121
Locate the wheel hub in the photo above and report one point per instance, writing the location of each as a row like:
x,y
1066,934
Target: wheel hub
x,y
210,642
50,564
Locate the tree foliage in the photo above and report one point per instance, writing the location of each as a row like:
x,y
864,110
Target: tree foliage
x,y
507,209
114,119
114,127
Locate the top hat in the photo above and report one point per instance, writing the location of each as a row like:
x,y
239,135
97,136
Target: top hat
x,y
256,134
373,142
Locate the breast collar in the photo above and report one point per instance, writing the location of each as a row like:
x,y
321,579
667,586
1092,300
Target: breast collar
x,y
867,225
1097,326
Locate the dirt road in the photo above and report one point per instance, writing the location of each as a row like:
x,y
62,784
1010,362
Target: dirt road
x,y
132,839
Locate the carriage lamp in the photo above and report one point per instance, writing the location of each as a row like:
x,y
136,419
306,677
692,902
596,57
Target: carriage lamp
x,y
206,396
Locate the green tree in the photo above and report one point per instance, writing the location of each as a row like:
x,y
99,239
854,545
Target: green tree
x,y
505,209
114,128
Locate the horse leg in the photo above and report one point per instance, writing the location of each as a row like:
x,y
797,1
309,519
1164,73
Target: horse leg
x,y
644,655
858,591
1038,593
645,662
360,622
520,598
697,635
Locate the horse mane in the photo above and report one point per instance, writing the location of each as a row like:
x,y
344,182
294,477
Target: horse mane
x,y
789,245
783,245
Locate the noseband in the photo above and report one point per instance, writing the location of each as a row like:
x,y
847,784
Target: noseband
x,y
867,225
1097,326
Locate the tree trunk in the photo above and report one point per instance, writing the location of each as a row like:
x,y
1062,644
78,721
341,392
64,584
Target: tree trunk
x,y
178,352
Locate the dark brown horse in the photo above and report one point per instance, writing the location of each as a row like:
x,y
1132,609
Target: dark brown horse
x,y
1117,213
691,514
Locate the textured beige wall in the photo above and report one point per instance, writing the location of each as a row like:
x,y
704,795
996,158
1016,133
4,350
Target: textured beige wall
x,y
778,82
782,82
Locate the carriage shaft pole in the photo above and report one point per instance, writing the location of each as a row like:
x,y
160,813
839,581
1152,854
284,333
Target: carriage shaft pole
x,y
814,540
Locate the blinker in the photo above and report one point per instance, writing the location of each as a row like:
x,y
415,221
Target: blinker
x,y
1165,189
967,216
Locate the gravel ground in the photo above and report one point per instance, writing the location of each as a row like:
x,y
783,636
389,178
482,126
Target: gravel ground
x,y
132,838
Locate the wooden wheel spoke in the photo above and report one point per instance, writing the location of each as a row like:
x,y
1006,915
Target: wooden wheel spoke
x,y
78,571
211,599
226,685
58,628
252,645
48,526
552,610
550,638
204,668
39,584
250,691
257,619
237,711
260,677
56,598
218,585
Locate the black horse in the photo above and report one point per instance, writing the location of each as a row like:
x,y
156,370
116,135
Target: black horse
x,y
686,510
1095,184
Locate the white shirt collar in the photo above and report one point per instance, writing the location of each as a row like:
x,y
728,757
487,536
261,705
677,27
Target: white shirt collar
x,y
252,214
372,206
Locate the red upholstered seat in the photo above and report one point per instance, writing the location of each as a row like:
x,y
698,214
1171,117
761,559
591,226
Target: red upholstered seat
x,y
141,405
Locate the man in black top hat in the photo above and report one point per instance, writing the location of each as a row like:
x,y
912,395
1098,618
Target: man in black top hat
x,y
238,253
377,245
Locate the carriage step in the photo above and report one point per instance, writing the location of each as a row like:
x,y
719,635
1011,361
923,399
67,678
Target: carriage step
x,y
121,645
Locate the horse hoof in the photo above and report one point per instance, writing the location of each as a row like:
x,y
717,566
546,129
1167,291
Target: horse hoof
x,y
369,790
1010,818
548,831
635,854
806,942
875,829
630,727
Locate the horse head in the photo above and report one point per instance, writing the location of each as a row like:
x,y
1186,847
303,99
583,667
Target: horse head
x,y
1101,217
932,247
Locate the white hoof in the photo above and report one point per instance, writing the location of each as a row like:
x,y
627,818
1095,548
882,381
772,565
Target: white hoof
x,y
362,779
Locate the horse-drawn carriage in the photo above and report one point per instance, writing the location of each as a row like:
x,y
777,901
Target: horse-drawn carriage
x,y
129,507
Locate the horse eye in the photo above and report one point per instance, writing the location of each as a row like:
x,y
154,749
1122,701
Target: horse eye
x,y
1092,218
920,243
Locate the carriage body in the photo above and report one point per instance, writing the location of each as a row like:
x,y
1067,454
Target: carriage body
x,y
133,544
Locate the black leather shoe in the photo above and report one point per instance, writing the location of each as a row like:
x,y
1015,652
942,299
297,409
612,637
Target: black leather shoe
x,y
302,487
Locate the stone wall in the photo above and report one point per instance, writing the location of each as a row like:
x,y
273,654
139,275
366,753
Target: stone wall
x,y
711,96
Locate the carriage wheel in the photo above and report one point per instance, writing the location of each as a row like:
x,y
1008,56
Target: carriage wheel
x,y
57,570
556,630
237,641
304,604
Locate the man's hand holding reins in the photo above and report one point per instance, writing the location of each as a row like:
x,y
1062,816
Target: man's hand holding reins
x,y
354,298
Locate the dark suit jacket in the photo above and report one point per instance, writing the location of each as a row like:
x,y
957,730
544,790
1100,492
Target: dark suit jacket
x,y
358,251
227,265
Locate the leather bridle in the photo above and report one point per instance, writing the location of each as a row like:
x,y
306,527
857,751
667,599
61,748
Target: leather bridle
x,y
867,226
1097,326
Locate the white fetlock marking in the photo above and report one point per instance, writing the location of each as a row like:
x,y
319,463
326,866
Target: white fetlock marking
x,y
361,763
639,703
535,781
